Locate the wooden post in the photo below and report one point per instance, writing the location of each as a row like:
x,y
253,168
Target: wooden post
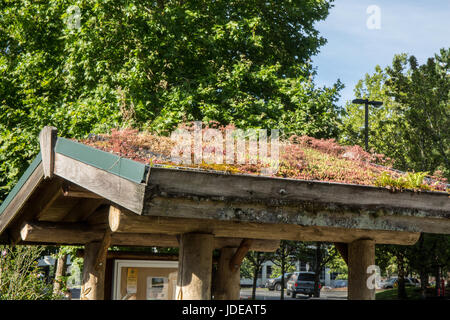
x,y
60,272
94,271
47,141
227,279
361,254
195,267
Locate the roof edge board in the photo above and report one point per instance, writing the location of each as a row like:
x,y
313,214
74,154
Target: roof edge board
x,y
22,180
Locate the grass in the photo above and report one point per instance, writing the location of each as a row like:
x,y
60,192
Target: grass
x,y
412,293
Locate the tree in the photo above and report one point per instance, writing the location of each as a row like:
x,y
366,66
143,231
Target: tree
x,y
323,254
384,254
412,125
152,65
430,255
285,258
251,267
20,278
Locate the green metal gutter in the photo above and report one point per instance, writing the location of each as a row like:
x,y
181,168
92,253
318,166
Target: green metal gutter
x,y
122,167
21,182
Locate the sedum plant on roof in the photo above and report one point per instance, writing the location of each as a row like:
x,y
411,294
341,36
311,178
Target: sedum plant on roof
x,y
300,157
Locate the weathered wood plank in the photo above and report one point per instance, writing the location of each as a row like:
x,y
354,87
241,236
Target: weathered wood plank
x,y
74,192
302,213
119,190
226,187
122,221
22,196
79,233
83,210
47,141
342,248
36,206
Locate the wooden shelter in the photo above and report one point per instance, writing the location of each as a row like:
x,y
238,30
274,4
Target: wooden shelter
x,y
75,194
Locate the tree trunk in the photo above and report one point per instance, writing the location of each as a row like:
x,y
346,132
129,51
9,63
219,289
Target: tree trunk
x,y
401,290
255,279
283,266
59,281
423,282
317,270
438,281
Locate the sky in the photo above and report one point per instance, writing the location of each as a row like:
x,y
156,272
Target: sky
x,y
415,27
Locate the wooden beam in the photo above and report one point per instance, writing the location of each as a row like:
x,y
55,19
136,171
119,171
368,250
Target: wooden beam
x,y
176,182
82,211
361,255
342,248
195,267
21,198
61,233
123,221
238,257
114,188
104,246
74,192
47,141
37,206
307,213
81,233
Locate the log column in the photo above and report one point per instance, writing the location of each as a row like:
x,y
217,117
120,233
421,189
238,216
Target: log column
x,y
361,254
195,266
93,272
227,280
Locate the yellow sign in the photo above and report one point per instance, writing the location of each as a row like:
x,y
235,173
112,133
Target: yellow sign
x,y
132,280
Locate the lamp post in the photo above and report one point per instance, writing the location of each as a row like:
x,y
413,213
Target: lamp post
x,y
366,102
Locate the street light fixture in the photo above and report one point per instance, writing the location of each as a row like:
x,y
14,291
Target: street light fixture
x,y
366,102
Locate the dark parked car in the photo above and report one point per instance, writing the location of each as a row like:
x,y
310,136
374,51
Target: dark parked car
x,y
301,283
275,283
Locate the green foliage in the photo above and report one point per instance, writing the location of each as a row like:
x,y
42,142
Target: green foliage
x,y
412,180
276,270
337,264
152,65
413,124
20,278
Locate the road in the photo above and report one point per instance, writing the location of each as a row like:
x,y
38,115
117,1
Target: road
x,y
265,294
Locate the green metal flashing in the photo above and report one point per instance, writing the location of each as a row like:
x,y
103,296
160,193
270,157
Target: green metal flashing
x,y
21,182
122,167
